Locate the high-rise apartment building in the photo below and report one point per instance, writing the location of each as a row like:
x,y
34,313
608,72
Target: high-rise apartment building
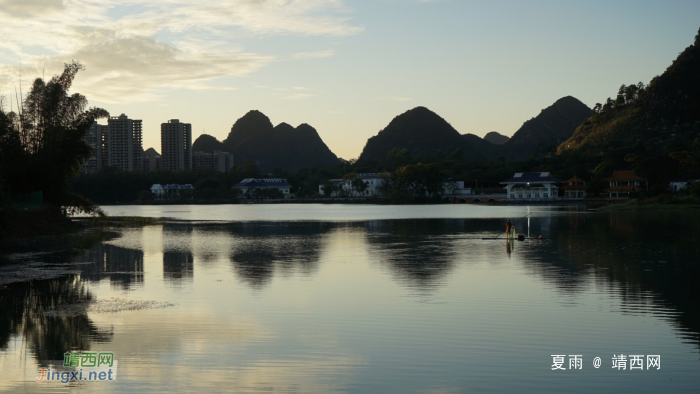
x,y
217,161
123,143
176,145
93,139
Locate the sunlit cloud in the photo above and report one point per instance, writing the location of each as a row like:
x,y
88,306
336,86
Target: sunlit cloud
x,y
120,42
314,55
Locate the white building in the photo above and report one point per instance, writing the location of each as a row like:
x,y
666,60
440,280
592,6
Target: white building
x,y
379,183
677,185
247,186
176,145
531,186
375,181
455,188
172,191
123,143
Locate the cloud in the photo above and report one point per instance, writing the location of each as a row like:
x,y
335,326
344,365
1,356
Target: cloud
x,y
131,50
118,69
314,55
30,8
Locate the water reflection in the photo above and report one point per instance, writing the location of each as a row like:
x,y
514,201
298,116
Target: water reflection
x,y
261,250
420,253
178,267
22,312
122,266
650,260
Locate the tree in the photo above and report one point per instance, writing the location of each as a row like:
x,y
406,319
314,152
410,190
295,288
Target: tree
x,y
45,137
457,155
348,180
439,156
328,189
609,104
359,185
386,182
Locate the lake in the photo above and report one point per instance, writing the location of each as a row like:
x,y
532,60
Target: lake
x,y
298,298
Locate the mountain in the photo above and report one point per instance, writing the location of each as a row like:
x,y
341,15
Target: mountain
x,y
253,137
554,125
659,118
150,152
207,144
422,130
496,138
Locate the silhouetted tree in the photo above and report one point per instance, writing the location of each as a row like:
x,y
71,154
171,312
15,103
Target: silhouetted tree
x,y
42,144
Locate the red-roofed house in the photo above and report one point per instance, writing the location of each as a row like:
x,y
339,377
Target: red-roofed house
x,y
575,188
622,183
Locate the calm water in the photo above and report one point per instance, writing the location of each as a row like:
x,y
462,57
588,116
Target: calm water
x,y
370,299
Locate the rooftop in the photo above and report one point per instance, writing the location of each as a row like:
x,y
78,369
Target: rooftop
x,y
172,187
575,179
373,175
263,182
624,176
528,177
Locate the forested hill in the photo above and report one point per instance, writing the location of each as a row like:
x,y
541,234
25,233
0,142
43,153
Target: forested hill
x,y
422,131
662,117
253,137
552,126
496,138
207,144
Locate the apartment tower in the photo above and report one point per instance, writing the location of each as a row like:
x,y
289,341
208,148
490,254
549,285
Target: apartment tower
x,y
123,143
94,139
176,145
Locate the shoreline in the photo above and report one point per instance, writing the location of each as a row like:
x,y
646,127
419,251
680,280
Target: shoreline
x,y
630,206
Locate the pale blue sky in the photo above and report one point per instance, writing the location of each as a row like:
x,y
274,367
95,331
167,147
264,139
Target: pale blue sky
x,y
345,67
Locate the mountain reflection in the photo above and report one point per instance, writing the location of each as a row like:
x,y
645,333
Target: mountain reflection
x,y
262,249
650,258
22,308
421,253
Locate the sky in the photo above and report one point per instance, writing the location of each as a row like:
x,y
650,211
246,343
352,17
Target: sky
x,y
346,67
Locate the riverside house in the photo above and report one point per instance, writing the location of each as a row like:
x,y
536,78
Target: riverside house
x,y
247,186
532,186
172,191
622,183
575,189
375,185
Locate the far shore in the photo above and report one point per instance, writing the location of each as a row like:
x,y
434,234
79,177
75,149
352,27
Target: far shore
x,y
631,206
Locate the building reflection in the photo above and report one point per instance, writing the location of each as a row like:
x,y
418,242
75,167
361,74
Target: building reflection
x,y
122,266
178,260
178,267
